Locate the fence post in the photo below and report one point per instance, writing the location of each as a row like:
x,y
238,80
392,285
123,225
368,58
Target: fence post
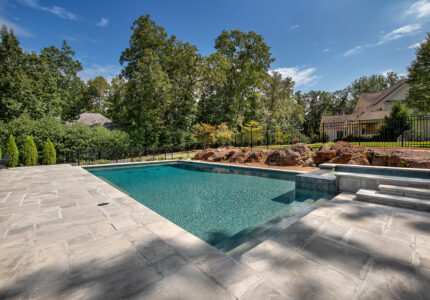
x,y
79,157
165,153
172,152
153,155
132,158
359,133
251,139
323,134
267,139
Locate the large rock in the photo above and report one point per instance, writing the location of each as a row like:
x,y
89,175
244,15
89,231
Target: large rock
x,y
410,158
304,149
204,154
285,157
259,156
358,159
342,158
323,154
240,156
379,158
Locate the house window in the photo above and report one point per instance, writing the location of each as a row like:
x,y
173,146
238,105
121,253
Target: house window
x,y
339,134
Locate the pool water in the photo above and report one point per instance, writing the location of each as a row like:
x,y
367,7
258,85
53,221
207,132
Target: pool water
x,y
216,204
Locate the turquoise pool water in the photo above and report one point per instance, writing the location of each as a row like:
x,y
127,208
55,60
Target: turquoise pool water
x,y
224,206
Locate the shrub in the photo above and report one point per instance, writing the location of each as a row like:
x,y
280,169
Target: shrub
x,y
12,150
49,155
29,152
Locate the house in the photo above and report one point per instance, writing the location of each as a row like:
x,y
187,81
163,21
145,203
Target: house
x,y
93,119
368,114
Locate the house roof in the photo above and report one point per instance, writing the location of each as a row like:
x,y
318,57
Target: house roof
x,y
390,91
338,118
374,115
93,119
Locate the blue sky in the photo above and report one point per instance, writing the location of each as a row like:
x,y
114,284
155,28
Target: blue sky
x,y
322,44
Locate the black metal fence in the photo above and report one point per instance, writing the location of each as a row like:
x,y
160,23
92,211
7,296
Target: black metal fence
x,y
401,132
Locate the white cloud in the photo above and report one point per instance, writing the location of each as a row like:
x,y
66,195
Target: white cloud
x,y
391,36
399,33
385,73
108,72
20,31
103,22
419,9
417,44
354,50
56,10
326,50
302,77
294,27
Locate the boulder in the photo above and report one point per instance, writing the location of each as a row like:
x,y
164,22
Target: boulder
x,y
239,157
259,156
324,153
358,159
345,147
204,154
285,157
379,158
410,158
342,158
304,149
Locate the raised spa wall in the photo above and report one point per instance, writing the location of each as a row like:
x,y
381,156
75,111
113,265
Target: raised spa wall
x,y
322,181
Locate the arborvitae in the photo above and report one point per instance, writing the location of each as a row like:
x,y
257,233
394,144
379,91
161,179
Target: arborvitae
x,y
49,154
29,152
12,150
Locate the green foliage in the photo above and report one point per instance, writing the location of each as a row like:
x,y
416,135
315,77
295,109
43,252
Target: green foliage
x,y
29,152
38,84
12,150
205,134
0,153
419,79
49,156
252,131
396,123
223,134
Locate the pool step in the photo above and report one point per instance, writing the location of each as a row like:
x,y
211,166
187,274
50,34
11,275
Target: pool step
x,y
405,191
379,197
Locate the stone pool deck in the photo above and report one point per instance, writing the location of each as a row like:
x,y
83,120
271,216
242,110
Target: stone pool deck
x,y
55,242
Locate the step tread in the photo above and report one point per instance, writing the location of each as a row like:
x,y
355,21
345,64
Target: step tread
x,y
404,201
405,189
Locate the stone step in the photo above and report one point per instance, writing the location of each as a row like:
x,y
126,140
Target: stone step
x,y
405,191
393,200
352,182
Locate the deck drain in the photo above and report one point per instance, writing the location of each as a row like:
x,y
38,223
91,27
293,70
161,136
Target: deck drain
x,y
103,204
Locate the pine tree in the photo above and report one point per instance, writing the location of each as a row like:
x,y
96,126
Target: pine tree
x,y
419,79
29,152
49,154
12,150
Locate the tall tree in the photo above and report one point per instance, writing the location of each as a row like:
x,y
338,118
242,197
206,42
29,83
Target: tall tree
x,y
278,107
161,76
419,79
245,59
98,90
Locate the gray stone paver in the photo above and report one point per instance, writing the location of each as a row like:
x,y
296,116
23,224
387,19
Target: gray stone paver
x,y
55,242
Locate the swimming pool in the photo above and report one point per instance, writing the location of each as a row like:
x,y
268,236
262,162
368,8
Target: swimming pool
x,y
224,206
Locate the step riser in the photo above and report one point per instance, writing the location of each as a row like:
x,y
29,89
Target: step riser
x,y
352,185
393,202
405,194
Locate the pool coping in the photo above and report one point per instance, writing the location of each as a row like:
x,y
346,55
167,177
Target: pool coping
x,y
194,162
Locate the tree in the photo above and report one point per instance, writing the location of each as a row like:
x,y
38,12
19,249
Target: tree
x,y
98,90
49,156
0,154
29,152
279,110
161,75
243,59
396,123
419,79
12,150
205,134
223,134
